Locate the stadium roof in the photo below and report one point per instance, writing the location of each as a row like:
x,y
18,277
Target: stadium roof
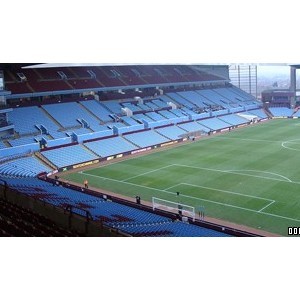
x,y
61,65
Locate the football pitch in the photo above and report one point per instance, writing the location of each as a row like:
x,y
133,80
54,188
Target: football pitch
x,y
248,176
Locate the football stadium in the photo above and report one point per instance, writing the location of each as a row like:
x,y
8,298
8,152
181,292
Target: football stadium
x,y
146,151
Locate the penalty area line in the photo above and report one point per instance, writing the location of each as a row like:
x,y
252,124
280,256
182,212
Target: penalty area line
x,y
191,197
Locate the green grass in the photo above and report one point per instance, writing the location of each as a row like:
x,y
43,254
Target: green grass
x,y
249,176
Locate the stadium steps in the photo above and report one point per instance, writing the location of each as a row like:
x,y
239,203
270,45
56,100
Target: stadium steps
x,y
38,74
130,142
222,96
44,160
69,84
182,96
141,78
89,150
108,76
268,113
30,87
125,83
54,120
72,72
163,135
12,75
295,111
6,143
99,82
90,112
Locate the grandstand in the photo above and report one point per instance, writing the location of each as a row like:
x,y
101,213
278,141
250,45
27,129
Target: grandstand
x,y
64,118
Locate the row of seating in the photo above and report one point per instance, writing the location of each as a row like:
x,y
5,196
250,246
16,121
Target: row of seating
x,y
70,155
170,229
23,167
131,220
49,79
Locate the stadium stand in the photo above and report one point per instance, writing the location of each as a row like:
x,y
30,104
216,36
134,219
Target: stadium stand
x,y
233,119
97,109
214,123
170,229
146,139
193,126
23,167
180,100
66,156
257,112
70,115
281,111
2,145
130,121
171,132
26,120
59,122
110,146
128,219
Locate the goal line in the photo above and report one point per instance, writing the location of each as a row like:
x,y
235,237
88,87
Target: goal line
x,y
177,207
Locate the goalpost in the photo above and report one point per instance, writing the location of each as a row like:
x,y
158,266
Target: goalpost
x,y
183,209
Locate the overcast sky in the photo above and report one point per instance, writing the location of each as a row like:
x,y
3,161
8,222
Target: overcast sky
x,y
269,71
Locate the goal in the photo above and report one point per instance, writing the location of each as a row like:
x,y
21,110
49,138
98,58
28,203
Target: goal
x,y
175,207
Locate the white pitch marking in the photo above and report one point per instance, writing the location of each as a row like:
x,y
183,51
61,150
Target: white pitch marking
x,y
272,173
149,172
266,206
191,197
172,186
234,172
290,141
241,139
229,192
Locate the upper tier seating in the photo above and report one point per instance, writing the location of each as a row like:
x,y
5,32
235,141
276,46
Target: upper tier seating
x,y
130,121
22,141
214,97
155,116
180,100
113,106
134,108
196,99
68,114
25,120
160,103
99,110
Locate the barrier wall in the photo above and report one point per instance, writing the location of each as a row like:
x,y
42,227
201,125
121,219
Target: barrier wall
x,y
20,149
93,135
126,129
57,142
95,161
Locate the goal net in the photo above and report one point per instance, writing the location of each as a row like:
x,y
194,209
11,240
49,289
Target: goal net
x,y
174,207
